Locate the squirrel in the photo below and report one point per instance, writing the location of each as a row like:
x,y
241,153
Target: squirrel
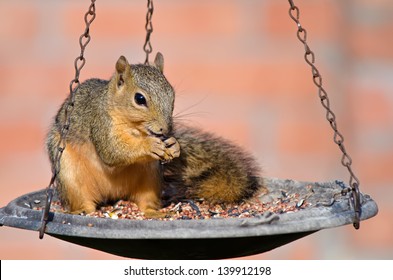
x,y
122,144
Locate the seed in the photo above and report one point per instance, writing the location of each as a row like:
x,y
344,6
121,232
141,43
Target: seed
x,y
300,203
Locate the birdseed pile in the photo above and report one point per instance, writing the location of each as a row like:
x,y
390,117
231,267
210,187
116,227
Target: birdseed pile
x,y
198,210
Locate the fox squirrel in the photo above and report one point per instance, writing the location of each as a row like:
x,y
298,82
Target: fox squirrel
x,y
122,129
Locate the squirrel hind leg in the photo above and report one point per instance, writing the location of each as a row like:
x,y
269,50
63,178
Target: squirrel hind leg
x,y
149,203
76,202
151,212
76,182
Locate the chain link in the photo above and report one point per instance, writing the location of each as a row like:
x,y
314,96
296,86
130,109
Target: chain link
x,y
79,63
338,138
149,29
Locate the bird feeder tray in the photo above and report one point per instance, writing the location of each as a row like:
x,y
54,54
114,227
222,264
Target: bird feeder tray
x,y
317,206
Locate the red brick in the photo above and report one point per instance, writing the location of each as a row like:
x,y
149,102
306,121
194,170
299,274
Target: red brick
x,y
376,42
46,80
304,138
20,244
371,107
19,22
375,4
236,131
40,78
115,22
321,19
112,22
303,250
21,137
249,79
376,168
199,19
382,7
23,171
376,233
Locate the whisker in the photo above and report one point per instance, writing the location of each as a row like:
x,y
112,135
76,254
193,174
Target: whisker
x,y
188,115
190,107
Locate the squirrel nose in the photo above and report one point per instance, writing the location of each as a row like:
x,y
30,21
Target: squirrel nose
x,y
163,131
159,132
160,129
167,129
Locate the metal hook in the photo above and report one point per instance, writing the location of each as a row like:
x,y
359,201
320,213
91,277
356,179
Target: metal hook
x,y
45,214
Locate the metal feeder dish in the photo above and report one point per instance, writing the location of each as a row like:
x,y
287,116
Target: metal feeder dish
x,y
199,239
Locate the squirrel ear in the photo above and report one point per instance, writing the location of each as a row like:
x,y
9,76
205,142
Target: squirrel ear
x,y
159,62
121,67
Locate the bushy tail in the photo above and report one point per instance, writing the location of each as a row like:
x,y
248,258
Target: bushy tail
x,y
210,168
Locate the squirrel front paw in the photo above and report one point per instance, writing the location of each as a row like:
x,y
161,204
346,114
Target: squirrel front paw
x,y
172,148
161,150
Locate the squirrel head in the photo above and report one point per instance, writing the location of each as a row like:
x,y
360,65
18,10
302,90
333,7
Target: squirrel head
x,y
140,94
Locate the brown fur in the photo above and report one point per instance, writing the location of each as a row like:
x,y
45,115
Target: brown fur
x,y
116,142
87,181
210,168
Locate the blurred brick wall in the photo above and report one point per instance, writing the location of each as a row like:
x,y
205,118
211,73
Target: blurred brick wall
x,y
238,70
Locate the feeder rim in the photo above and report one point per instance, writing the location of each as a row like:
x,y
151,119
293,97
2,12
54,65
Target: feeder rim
x,y
305,220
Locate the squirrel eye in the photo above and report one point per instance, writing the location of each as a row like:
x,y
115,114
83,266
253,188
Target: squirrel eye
x,y
140,99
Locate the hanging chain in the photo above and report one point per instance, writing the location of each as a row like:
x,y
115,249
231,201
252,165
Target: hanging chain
x,y
79,62
346,160
149,29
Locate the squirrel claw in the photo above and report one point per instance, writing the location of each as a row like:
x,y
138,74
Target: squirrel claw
x,y
169,142
166,150
172,148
